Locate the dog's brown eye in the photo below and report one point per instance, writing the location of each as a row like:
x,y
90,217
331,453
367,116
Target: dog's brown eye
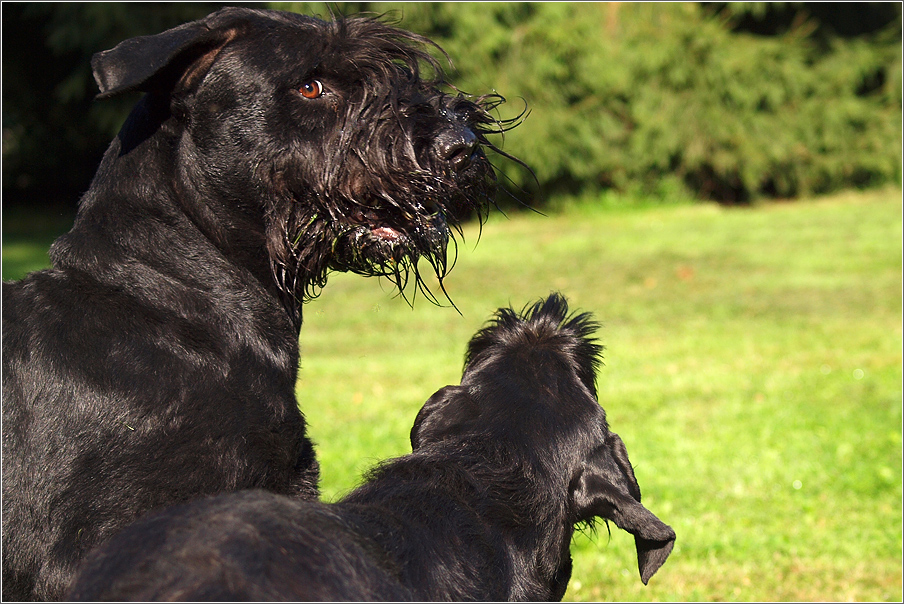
x,y
312,89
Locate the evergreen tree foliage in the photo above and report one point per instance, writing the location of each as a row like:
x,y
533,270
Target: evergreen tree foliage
x,y
664,99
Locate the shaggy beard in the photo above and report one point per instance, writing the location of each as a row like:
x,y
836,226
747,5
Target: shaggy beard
x,y
308,241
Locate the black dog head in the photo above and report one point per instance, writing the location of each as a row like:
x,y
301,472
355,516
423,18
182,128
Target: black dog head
x,y
528,388
329,144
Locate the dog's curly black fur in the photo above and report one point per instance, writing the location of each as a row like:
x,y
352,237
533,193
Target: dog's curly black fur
x,y
503,467
156,361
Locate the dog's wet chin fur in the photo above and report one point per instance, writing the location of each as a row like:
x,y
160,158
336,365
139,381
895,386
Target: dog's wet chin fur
x,y
375,248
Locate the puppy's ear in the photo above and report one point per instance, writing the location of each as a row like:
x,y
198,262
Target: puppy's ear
x,y
606,488
175,59
450,411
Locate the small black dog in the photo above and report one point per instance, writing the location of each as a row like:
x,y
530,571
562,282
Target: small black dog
x,y
156,361
503,467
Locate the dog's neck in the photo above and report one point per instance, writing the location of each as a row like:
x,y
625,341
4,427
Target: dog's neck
x,y
466,495
110,235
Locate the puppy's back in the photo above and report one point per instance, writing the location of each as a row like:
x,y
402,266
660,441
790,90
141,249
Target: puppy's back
x,y
250,545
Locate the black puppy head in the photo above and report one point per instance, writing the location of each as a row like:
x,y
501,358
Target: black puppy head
x,y
534,371
336,135
529,387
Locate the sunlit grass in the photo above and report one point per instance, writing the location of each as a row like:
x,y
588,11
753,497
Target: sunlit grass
x,y
753,369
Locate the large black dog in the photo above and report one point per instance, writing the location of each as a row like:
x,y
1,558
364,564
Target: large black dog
x,y
503,467
156,361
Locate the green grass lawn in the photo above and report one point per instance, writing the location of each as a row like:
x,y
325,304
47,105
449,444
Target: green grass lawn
x,y
753,369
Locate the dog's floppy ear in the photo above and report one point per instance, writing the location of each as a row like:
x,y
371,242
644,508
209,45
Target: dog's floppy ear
x,y
606,488
176,58
450,411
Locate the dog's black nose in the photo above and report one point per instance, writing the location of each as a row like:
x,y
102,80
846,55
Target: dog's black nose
x,y
456,147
